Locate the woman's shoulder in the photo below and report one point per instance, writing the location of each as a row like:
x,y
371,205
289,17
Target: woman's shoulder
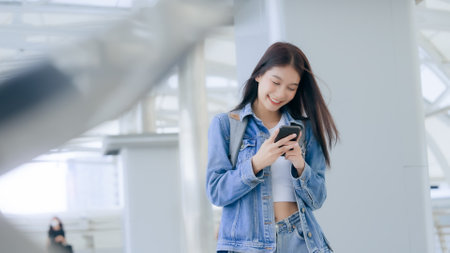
x,y
221,122
219,127
221,119
222,115
54,233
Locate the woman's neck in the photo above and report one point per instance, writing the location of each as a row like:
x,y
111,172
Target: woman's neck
x,y
270,119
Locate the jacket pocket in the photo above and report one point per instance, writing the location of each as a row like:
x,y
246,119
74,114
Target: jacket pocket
x,y
247,149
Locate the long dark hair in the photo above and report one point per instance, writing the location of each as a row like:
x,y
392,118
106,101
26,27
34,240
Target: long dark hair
x,y
61,226
307,104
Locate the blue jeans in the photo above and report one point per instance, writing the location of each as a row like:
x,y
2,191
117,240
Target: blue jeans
x,y
289,237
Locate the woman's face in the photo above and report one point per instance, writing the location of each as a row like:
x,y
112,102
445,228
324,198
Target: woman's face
x,y
277,87
55,224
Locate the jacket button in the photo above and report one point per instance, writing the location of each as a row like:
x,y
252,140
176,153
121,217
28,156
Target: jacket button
x,y
303,210
309,234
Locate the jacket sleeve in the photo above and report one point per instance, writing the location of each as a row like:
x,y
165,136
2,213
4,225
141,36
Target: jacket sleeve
x,y
225,184
310,186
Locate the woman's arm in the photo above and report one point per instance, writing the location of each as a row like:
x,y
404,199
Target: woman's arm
x,y
310,185
225,184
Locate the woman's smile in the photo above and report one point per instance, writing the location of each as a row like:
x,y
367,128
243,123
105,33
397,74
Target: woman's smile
x,y
274,101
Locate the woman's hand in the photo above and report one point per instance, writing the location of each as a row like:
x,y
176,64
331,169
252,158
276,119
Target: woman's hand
x,y
60,239
269,151
295,156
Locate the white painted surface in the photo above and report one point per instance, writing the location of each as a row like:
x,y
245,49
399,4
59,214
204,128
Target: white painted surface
x,y
152,211
193,147
365,54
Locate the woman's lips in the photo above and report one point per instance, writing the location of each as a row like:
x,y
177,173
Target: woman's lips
x,y
274,101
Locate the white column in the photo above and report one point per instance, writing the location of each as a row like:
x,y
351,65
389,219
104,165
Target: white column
x,y
365,56
148,114
152,210
141,118
197,211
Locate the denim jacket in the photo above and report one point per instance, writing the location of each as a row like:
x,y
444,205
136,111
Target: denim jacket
x,y
248,222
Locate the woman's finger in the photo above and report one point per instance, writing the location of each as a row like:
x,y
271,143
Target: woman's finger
x,y
290,143
286,139
274,135
289,148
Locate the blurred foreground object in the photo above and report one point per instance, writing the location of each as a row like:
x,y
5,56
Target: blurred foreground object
x,y
98,79
12,240
93,81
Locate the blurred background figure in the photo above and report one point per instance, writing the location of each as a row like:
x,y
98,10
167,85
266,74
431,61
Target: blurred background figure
x,y
56,242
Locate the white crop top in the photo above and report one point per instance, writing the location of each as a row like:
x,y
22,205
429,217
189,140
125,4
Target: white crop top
x,y
282,186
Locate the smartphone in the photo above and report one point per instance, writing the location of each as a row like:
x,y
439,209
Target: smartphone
x,y
288,130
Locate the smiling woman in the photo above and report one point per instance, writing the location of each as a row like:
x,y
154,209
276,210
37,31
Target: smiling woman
x,y
268,198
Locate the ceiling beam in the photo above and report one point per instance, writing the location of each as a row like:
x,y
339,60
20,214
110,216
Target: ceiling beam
x,y
74,29
436,59
18,7
438,111
433,19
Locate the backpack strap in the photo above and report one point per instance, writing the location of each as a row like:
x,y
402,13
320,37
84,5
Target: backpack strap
x,y
237,130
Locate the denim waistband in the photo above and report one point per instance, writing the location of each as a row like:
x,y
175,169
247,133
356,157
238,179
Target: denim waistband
x,y
289,223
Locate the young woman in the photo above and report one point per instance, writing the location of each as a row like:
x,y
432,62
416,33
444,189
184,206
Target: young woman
x,y
269,195
56,242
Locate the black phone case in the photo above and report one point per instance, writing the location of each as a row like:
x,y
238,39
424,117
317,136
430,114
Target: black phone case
x,y
287,130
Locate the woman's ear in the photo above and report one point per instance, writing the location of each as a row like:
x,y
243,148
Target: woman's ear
x,y
257,79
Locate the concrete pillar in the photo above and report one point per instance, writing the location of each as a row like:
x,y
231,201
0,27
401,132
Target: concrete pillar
x,y
152,210
197,211
141,118
365,56
148,114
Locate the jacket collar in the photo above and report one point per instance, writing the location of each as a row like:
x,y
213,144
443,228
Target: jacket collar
x,y
247,110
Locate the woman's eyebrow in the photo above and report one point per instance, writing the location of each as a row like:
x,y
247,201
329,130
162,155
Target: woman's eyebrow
x,y
277,77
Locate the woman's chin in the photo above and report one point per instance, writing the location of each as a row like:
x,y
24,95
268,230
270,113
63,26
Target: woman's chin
x,y
272,107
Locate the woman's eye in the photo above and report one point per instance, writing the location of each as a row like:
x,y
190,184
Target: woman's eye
x,y
291,89
275,83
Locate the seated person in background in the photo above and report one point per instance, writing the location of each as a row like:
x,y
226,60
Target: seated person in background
x,y
56,241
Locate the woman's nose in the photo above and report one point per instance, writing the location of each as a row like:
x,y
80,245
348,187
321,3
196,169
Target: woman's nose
x,y
280,93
